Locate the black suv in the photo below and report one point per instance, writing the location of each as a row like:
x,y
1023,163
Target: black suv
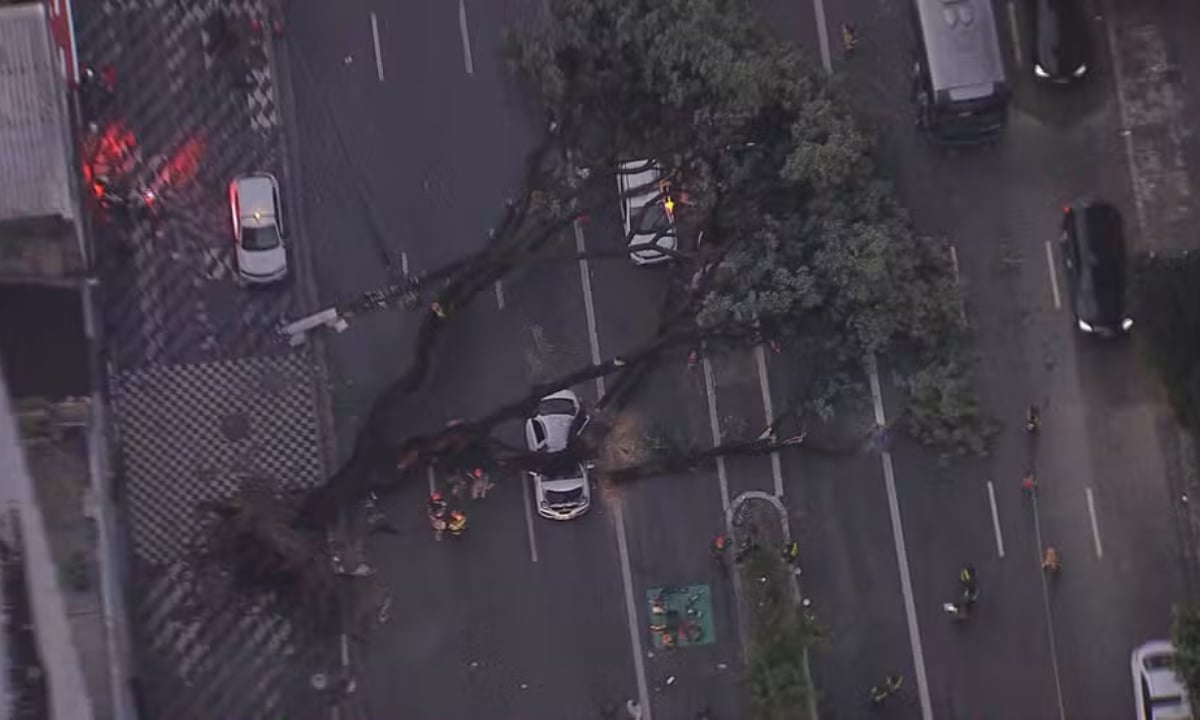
x,y
1093,249
1061,46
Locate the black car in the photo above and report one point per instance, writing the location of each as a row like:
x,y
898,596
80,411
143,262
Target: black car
x,y
1093,249
1061,47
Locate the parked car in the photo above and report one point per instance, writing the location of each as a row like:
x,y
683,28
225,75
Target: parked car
x,y
1061,44
647,212
1157,691
1093,250
257,228
561,488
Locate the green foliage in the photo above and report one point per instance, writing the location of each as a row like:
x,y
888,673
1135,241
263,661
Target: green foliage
x,y
1185,634
943,410
76,573
775,673
1166,304
809,243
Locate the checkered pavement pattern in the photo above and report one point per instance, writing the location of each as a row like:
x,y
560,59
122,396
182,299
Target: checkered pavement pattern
x,y
206,395
169,288
187,434
191,433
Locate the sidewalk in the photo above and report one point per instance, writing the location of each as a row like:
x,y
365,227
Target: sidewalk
x,y
1154,61
205,395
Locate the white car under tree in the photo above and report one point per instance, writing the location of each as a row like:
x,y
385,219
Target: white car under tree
x,y
562,490
647,212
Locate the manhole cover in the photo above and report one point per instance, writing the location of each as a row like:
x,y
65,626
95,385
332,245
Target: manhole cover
x,y
235,426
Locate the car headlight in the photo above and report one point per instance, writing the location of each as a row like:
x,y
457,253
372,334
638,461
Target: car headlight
x,y
1040,71
1081,71
1085,326
1126,324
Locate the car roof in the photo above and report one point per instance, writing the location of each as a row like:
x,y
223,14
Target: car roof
x,y
256,194
1098,227
1152,661
632,178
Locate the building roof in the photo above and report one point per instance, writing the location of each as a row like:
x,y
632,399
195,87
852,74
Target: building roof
x,y
35,150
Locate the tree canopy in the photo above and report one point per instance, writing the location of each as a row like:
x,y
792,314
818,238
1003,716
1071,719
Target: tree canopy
x,y
801,238
762,160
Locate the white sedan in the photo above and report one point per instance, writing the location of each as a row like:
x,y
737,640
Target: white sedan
x,y
561,489
647,211
562,493
257,228
1157,691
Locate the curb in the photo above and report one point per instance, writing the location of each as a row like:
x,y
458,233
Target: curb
x,y
797,598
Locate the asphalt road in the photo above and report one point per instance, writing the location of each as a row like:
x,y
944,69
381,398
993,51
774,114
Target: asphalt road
x,y
407,156
1107,485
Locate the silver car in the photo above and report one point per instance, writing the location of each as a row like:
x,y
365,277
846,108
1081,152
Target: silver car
x,y
647,211
561,490
1157,691
562,493
257,228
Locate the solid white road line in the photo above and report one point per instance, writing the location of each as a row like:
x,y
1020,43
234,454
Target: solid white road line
x,y
432,479
1053,275
1016,33
403,262
962,303
823,35
500,294
764,385
466,37
378,54
1091,502
1037,534
995,518
635,632
589,307
910,603
525,482
714,426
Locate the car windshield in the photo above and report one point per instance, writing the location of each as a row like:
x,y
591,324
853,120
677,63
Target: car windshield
x,y
568,497
556,406
264,238
652,220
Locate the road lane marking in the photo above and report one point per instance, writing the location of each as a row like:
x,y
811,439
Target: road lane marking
x,y
432,479
589,307
962,303
823,35
714,426
910,603
466,37
1037,534
764,386
1016,33
1091,502
500,294
995,518
635,632
378,54
1053,275
404,262
526,480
